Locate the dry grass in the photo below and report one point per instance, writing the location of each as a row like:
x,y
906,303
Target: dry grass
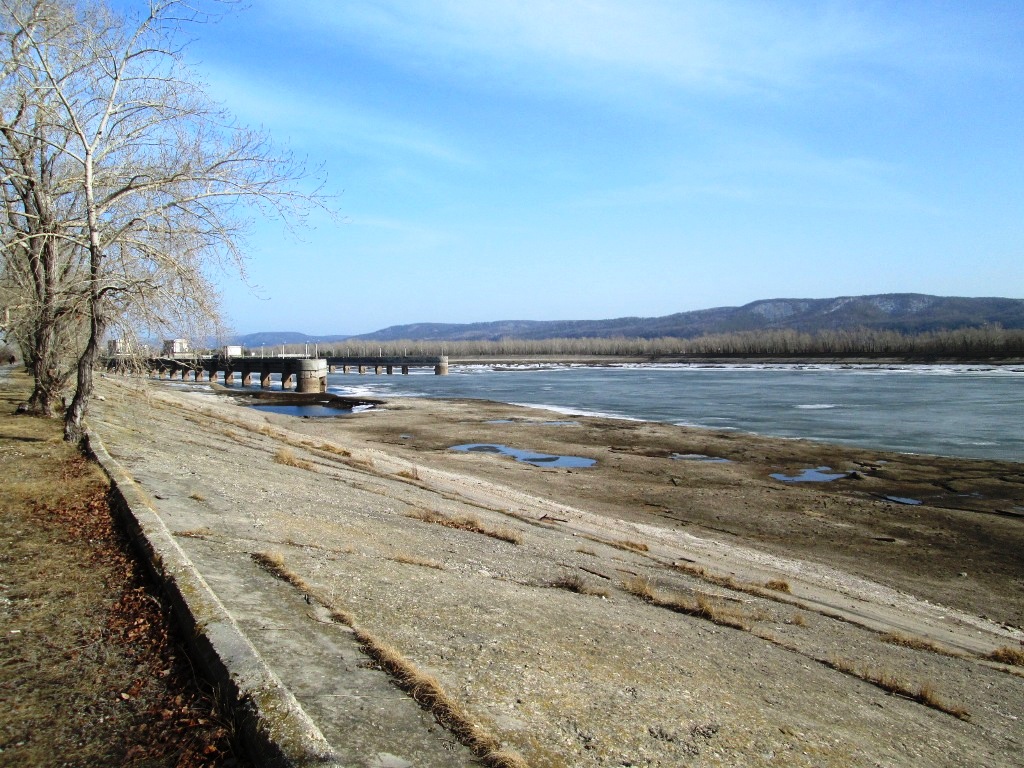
x,y
1007,655
194,533
287,457
89,658
410,474
778,585
273,562
465,523
424,689
797,620
575,583
407,559
586,551
197,496
631,546
703,607
923,694
640,586
914,643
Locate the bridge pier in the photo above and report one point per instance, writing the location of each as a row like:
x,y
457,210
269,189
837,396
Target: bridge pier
x,y
312,375
265,377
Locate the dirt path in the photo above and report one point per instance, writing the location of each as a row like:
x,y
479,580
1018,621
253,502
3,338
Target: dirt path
x,y
575,614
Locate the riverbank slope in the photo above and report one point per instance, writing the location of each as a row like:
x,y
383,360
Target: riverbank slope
x,y
648,610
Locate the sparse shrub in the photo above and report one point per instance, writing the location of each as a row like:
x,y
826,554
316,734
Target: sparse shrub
x,y
779,585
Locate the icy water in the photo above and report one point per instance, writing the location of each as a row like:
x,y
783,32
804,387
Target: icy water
x,y
947,410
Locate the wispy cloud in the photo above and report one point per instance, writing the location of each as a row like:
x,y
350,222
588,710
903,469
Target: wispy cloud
x,y
336,123
697,45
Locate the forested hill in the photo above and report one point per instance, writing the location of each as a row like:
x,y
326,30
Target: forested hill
x,y
903,312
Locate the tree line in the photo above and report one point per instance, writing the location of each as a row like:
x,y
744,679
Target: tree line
x,y
124,187
984,343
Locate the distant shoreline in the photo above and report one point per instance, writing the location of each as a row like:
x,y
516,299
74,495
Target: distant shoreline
x,y
598,360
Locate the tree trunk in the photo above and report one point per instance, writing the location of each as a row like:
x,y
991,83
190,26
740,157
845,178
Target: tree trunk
x,y
74,417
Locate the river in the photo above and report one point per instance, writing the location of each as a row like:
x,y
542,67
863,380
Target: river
x,y
968,411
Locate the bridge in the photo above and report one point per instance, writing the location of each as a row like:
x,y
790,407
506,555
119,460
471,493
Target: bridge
x,y
304,374
388,364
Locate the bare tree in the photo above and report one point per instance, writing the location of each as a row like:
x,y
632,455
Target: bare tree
x,y
40,286
165,183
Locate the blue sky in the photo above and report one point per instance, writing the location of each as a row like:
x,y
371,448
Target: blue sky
x,y
586,159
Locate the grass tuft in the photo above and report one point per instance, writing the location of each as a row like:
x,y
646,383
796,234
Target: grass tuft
x,y
640,586
627,544
1007,655
407,559
465,523
779,585
287,457
923,694
704,607
194,533
915,643
575,583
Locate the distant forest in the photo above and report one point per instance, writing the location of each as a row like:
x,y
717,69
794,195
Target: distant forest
x,y
973,344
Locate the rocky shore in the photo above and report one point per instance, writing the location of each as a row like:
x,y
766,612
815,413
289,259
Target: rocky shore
x,y
673,604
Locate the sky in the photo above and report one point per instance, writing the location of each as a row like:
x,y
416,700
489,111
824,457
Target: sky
x,y
591,159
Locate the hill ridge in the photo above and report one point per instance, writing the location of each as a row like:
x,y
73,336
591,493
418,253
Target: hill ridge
x,y
902,312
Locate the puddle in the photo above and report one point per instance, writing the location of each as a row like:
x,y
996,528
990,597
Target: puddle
x,y
313,410
903,500
529,457
700,457
816,475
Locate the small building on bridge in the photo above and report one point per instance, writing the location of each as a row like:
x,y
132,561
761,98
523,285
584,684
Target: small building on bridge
x,y
174,347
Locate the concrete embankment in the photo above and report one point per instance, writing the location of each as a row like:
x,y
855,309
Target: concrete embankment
x,y
277,731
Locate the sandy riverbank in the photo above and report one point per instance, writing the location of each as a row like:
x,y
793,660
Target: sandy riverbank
x,y
613,679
